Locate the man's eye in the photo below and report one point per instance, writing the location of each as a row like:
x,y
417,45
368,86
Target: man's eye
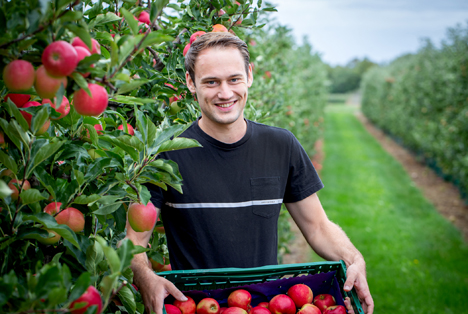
x,y
235,80
210,82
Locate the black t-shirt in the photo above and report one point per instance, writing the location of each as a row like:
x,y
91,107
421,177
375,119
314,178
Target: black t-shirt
x,y
228,213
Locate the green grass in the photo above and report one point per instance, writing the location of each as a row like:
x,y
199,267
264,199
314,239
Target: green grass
x,y
417,262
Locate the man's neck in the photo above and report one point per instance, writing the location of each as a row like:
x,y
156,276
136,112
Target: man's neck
x,y
226,133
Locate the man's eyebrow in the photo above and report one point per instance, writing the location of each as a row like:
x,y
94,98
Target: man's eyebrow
x,y
213,78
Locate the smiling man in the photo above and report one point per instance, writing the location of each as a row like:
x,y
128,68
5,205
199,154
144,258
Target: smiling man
x,y
235,184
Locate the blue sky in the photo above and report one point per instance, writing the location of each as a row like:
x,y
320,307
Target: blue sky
x,y
381,30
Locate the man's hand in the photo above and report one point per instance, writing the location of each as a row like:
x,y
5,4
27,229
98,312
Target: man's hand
x,y
357,277
155,289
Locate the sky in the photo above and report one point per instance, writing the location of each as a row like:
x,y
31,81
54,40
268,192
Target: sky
x,y
341,30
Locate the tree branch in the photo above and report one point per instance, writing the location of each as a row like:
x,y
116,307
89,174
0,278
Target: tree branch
x,y
159,66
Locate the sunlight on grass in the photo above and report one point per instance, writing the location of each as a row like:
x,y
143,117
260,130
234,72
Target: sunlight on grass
x,y
416,260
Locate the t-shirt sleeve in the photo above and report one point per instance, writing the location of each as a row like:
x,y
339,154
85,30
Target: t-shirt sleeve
x,y
303,179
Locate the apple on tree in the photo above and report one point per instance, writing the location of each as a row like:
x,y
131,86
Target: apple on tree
x,y
142,218
83,53
96,47
89,298
64,108
15,185
18,99
92,105
46,85
71,217
28,117
60,58
129,127
18,75
52,208
196,35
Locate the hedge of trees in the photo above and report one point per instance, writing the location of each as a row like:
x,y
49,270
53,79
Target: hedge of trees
x,y
422,100
90,163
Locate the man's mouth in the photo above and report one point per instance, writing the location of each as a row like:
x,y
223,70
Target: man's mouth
x,y
226,105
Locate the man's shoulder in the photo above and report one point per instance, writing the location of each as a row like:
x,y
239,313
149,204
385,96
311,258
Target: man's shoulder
x,y
262,130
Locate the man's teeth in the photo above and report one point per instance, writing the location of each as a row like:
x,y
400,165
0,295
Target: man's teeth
x,y
225,105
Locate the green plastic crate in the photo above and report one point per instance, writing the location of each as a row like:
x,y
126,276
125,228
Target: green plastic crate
x,y
222,278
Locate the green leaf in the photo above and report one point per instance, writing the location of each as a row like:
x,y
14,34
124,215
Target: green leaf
x,y
155,38
70,16
130,100
10,133
81,285
134,154
92,134
31,196
94,255
8,161
166,134
79,176
177,144
109,199
126,252
104,35
145,194
80,32
132,85
39,119
114,54
270,9
131,21
49,222
127,47
13,111
5,191
128,299
80,80
108,209
86,199
44,152
111,255
97,168
102,19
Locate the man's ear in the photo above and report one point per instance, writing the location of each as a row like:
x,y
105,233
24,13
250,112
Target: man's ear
x,y
250,76
190,82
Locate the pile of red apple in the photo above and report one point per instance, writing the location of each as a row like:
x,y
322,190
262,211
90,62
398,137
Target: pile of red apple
x,y
299,299
59,61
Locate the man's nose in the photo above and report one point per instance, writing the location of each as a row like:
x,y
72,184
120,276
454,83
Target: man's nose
x,y
225,91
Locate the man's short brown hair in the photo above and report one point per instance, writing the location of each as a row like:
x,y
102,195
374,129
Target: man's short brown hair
x,y
211,40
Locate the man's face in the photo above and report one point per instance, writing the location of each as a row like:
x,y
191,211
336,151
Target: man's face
x,y
221,85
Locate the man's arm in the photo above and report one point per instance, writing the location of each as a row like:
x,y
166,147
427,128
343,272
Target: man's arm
x,y
330,242
153,289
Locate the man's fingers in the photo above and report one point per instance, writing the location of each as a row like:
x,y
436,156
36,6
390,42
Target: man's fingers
x,y
348,305
172,289
350,280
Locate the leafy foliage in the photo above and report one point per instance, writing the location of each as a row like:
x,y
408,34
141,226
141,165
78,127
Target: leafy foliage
x,y
100,172
422,100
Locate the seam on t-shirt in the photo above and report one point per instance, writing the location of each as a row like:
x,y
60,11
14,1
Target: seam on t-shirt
x,y
305,193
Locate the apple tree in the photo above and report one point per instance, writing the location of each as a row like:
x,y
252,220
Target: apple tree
x,y
91,93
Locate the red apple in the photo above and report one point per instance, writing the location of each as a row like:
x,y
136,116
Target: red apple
x,y
196,35
144,17
166,267
301,294
28,117
18,75
71,217
234,310
171,309
83,53
263,304
52,208
186,307
259,310
240,298
51,240
90,297
309,309
60,58
282,304
142,218
91,106
98,128
222,309
18,99
2,140
46,85
186,49
323,301
219,28
159,229
15,185
129,127
96,47
335,309
208,306
64,108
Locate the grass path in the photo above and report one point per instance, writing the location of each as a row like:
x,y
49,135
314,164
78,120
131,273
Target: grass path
x,y
416,260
